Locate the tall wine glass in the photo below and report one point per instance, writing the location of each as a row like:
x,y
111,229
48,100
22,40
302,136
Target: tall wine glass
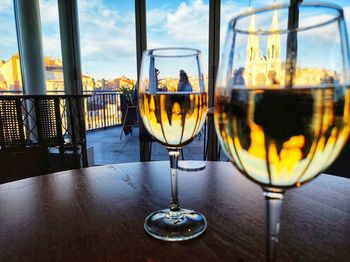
x,y
173,107
282,100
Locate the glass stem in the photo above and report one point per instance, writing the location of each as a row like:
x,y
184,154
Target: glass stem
x,y
273,219
174,158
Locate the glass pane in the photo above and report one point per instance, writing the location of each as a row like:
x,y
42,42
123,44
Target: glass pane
x,y
10,72
179,23
51,46
108,55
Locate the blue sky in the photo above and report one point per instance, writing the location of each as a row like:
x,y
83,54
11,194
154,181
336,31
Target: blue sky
x,y
107,29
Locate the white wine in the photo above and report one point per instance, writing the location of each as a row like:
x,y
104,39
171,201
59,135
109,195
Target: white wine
x,y
282,137
173,118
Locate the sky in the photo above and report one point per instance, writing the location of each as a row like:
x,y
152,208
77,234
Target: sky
x,y
107,30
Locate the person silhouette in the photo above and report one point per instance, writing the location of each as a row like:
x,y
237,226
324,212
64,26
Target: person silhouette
x,y
156,73
184,84
156,79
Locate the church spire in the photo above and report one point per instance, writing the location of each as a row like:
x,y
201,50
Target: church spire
x,y
273,58
252,51
274,41
274,23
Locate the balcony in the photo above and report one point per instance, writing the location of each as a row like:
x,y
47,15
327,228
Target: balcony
x,y
108,148
103,120
106,141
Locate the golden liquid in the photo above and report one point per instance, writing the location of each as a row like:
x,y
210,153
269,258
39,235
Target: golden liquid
x,y
173,119
282,137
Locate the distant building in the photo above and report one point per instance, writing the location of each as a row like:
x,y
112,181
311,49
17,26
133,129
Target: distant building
x,y
10,75
268,70
99,84
263,70
53,75
118,82
171,84
88,82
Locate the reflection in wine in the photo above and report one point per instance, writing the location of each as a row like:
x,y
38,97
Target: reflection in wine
x,y
173,118
283,138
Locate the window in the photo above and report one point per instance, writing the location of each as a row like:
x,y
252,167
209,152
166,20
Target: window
x,y
10,72
107,42
108,58
179,23
51,46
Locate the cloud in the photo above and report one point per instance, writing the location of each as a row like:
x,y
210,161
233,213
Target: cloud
x,y
229,9
52,46
156,18
8,43
186,25
189,23
347,15
5,5
49,12
50,28
107,37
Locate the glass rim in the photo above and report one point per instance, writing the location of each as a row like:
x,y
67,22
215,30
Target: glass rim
x,y
248,13
150,52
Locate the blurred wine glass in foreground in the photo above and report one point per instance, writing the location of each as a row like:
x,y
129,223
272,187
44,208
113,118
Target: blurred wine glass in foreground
x,y
173,107
282,98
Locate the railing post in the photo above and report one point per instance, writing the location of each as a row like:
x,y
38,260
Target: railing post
x,y
94,110
82,131
104,110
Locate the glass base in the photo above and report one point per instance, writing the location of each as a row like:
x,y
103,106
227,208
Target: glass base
x,y
190,165
175,226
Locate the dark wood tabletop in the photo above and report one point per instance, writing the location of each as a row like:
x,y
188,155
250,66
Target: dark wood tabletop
x,y
97,214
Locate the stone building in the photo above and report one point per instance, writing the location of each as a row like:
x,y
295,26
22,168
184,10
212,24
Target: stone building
x,y
10,75
266,68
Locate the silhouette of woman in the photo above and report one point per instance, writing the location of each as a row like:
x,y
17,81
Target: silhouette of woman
x,y
184,85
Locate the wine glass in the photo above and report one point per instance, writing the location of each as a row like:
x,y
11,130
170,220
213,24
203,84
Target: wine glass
x,y
282,99
173,106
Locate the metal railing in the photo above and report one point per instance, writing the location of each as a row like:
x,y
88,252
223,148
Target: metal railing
x,y
43,133
101,108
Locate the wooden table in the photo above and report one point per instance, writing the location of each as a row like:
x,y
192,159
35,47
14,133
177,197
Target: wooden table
x,y
98,213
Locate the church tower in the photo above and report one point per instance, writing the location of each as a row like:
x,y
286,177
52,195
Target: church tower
x,y
252,52
273,56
